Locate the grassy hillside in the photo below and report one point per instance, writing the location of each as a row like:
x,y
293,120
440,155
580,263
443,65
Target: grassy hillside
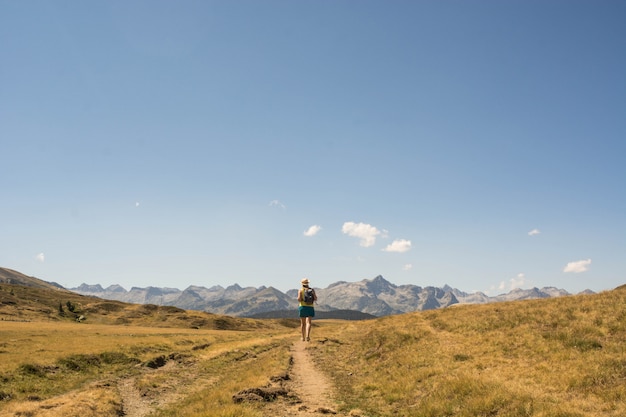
x,y
9,276
125,359
30,303
553,357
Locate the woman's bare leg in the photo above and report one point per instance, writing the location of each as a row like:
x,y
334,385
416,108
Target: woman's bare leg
x,y
308,328
303,326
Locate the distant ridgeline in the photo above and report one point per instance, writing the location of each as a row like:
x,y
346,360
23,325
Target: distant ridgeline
x,y
364,299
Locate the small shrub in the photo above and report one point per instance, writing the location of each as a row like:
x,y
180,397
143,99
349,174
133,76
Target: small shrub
x,y
32,369
198,323
149,308
157,362
172,310
221,324
79,362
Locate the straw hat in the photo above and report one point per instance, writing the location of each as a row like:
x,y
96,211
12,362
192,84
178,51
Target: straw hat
x,y
305,281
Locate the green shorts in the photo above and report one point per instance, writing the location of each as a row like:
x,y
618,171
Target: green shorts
x,y
306,311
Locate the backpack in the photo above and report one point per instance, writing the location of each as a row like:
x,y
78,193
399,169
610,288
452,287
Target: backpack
x,y
308,295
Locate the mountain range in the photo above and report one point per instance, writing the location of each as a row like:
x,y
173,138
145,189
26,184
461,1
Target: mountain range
x,y
376,297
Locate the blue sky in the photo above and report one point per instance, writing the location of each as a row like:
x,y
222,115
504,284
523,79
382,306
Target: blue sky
x,y
478,144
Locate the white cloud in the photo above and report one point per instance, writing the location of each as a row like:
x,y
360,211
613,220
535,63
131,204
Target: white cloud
x,y
312,231
518,281
407,267
276,203
366,232
40,257
534,232
136,203
577,266
398,245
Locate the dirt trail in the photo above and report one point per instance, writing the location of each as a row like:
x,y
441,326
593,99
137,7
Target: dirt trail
x,y
133,404
309,386
309,383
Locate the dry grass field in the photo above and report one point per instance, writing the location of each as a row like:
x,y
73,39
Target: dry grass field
x,y
129,360
71,369
552,357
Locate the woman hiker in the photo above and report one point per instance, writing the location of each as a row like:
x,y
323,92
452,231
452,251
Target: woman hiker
x,y
306,297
